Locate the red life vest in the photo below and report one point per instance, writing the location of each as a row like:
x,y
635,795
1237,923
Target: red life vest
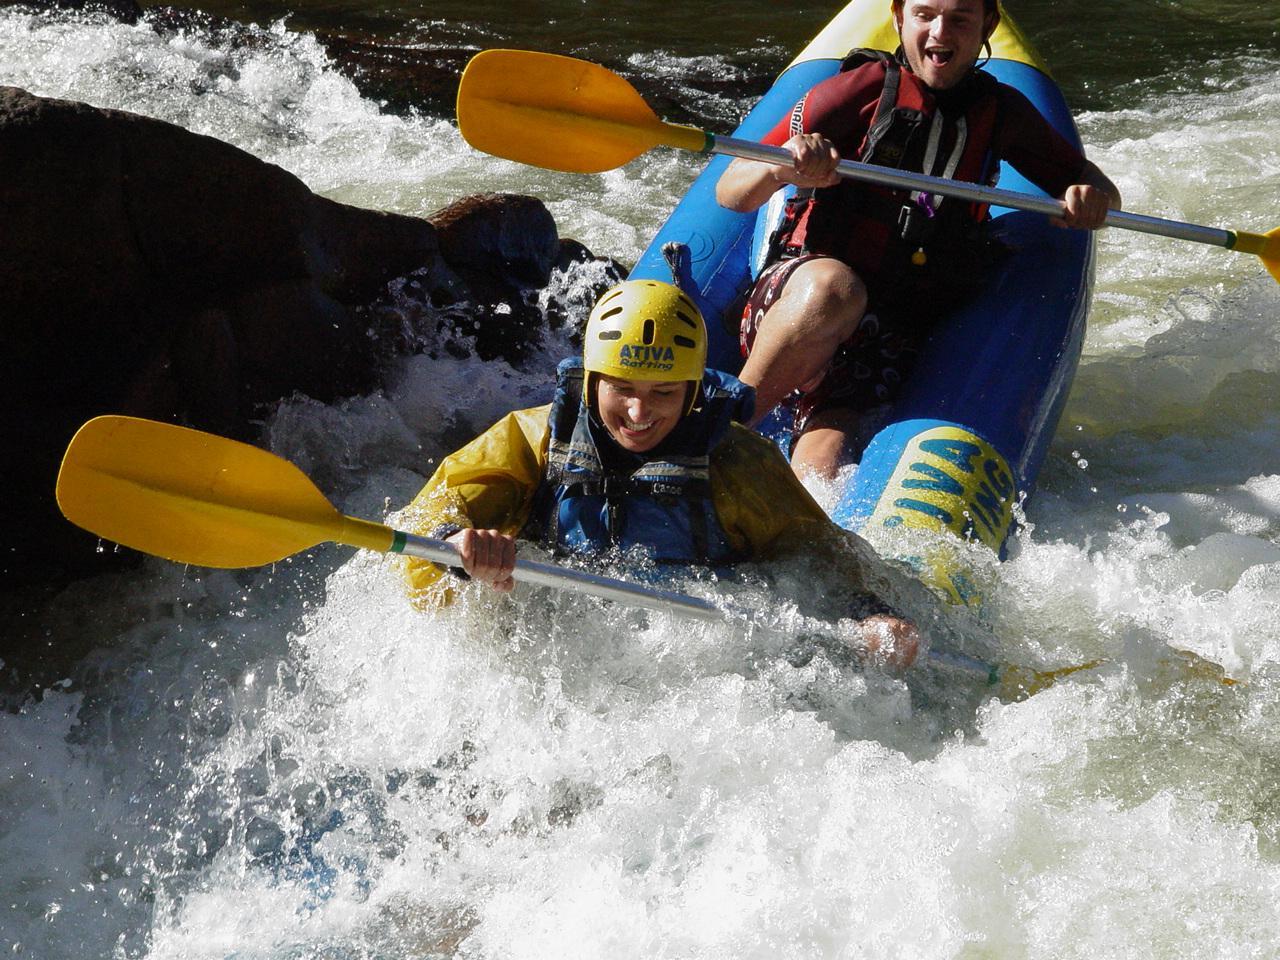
x,y
891,236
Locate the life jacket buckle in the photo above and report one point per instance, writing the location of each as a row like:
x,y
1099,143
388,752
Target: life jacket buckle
x,y
911,223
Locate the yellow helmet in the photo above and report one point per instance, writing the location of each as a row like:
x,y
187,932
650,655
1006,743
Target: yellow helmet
x,y
645,330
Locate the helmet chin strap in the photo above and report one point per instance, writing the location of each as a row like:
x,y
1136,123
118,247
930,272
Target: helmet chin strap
x,y
690,398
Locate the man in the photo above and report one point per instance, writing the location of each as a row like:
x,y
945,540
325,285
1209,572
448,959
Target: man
x,y
642,451
860,272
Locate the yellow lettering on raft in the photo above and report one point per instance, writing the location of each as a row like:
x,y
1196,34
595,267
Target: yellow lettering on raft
x,y
949,479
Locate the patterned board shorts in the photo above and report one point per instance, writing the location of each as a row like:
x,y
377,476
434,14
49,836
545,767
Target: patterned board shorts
x,y
867,370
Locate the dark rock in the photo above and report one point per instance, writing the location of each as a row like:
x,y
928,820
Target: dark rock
x,y
502,247
125,10
571,252
499,233
150,271
145,269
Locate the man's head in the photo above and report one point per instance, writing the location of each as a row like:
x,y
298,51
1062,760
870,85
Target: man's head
x,y
644,351
943,38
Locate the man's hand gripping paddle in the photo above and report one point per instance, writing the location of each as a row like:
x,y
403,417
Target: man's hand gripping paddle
x,y
566,114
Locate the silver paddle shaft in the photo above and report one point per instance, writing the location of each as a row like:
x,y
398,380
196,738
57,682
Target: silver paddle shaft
x,y
566,578
977,193
636,595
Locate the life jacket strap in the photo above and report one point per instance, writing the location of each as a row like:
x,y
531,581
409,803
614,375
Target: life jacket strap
x,y
615,488
903,113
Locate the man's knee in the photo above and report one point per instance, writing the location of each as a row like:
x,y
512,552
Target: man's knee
x,y
830,289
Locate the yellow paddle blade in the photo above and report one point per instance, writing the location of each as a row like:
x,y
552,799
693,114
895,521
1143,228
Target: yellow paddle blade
x,y
1264,245
197,498
1019,683
1271,254
560,113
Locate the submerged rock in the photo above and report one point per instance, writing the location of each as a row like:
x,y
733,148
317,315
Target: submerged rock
x,y
501,247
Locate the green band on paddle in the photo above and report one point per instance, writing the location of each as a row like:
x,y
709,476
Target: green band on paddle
x,y
709,143
398,541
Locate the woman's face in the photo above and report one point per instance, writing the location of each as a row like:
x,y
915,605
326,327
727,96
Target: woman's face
x,y
639,414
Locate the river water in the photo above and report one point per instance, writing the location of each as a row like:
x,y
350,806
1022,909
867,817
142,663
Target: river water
x,y
292,762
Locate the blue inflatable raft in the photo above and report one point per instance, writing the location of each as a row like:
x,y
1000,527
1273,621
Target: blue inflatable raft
x,y
965,441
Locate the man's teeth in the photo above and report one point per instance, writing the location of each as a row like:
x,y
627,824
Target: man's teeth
x,y
638,427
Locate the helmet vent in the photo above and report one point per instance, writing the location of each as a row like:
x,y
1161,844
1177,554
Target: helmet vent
x,y
684,342
650,331
687,319
610,335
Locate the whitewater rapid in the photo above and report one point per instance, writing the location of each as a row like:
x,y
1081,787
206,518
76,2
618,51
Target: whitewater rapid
x,y
294,762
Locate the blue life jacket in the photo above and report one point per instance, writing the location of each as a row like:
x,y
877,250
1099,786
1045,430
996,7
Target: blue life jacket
x,y
596,496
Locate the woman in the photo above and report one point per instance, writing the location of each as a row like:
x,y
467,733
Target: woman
x,y
643,452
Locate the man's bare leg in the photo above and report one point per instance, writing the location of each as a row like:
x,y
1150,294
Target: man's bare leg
x,y
831,439
819,309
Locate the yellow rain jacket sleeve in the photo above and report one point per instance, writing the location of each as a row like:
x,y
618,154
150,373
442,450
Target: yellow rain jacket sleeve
x,y
764,508
489,484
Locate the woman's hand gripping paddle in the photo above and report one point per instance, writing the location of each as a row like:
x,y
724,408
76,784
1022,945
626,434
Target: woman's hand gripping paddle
x,y
196,498
562,113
